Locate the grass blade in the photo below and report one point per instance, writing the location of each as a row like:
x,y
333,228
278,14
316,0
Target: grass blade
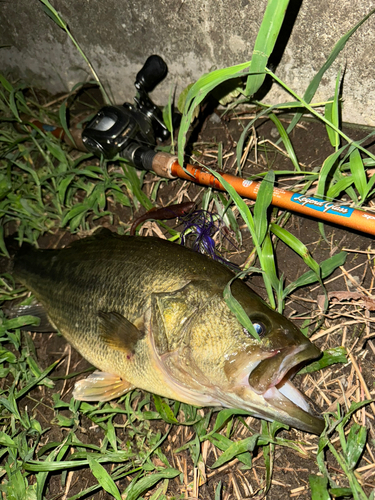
x,y
263,202
144,484
198,92
332,113
238,310
104,479
326,268
269,266
164,410
355,443
136,185
330,357
341,185
63,120
358,172
315,82
296,245
265,42
328,165
318,486
55,16
235,449
285,138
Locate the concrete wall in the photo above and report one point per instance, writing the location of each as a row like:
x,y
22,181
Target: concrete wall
x,y
193,36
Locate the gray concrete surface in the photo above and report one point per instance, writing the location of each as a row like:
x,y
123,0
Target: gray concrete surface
x,y
193,36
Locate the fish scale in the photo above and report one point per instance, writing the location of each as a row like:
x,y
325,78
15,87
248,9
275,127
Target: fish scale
x,y
151,314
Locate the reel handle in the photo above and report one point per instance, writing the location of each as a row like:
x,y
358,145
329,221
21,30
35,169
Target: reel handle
x,y
153,72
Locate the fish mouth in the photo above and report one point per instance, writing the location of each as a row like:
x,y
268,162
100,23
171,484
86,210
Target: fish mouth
x,y
270,371
270,379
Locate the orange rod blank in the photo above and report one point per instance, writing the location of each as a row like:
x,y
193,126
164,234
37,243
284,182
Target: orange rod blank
x,y
329,211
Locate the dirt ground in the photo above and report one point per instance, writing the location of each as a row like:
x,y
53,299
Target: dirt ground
x,y
348,323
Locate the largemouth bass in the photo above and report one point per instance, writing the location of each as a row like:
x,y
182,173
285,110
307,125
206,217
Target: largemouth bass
x,y
150,314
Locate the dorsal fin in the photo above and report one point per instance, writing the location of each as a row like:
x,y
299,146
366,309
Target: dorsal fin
x,y
100,234
118,332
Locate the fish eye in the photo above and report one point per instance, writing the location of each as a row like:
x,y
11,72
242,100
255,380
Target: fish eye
x,y
260,328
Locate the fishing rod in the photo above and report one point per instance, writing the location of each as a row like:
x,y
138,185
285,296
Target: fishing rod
x,y
167,166
132,131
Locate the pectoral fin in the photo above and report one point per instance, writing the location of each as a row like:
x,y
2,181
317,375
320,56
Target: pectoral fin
x,y
119,333
100,386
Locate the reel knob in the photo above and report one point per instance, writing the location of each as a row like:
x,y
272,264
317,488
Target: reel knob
x,y
153,72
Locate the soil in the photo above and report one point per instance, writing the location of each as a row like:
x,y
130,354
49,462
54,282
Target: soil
x,y
291,469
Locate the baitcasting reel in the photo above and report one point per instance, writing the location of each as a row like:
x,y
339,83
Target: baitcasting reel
x,y
131,130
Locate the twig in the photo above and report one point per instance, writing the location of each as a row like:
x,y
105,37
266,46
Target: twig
x,y
362,381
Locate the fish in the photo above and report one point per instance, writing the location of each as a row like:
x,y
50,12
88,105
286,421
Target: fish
x,y
150,314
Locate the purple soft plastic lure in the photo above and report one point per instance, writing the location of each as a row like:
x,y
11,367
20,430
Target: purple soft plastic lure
x,y
201,227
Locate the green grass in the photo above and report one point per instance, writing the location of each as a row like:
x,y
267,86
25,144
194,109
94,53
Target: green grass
x,y
44,188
